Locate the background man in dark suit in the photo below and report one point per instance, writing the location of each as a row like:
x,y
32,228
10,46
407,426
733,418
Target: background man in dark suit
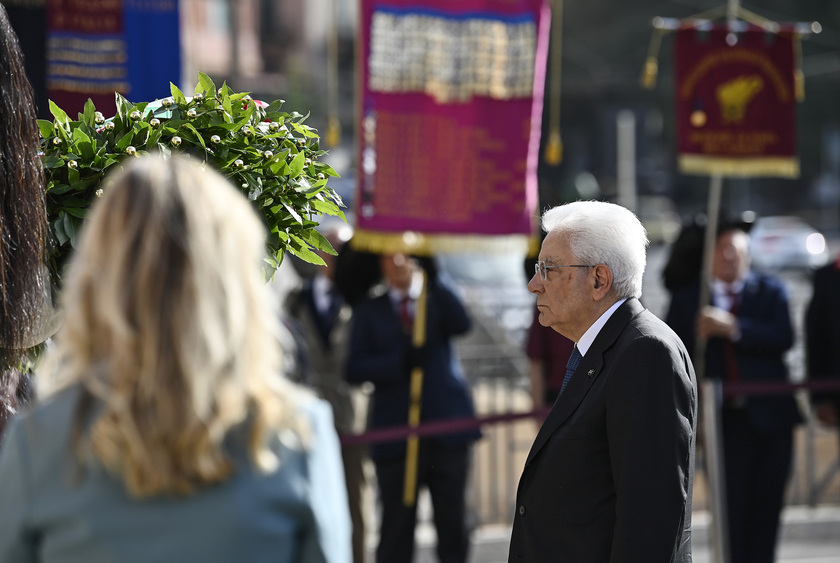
x,y
610,474
822,341
381,352
747,331
822,332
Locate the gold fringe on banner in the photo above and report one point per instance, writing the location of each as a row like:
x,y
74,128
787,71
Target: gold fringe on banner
x,y
770,166
422,244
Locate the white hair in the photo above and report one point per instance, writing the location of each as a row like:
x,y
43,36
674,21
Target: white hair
x,y
603,233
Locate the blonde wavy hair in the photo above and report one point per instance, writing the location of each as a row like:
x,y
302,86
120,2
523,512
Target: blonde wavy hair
x,y
169,323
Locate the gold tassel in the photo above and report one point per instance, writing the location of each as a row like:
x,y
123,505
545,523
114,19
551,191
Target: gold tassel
x,y
798,75
651,68
649,73
554,148
799,84
333,135
333,132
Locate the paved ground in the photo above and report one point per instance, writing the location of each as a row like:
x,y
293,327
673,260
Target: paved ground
x,y
809,535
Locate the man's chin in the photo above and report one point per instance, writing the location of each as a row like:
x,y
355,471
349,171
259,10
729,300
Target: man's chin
x,y
544,320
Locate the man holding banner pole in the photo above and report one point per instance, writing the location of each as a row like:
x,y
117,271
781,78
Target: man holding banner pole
x,y
417,375
747,330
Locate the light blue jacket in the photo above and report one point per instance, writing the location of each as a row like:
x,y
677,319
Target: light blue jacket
x,y
51,511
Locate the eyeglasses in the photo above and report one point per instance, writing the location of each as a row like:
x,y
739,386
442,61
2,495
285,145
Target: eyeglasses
x,y
542,269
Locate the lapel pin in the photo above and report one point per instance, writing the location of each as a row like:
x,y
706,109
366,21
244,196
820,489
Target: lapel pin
x,y
591,372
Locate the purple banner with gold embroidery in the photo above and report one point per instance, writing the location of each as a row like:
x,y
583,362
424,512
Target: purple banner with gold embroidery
x,y
451,105
736,101
98,47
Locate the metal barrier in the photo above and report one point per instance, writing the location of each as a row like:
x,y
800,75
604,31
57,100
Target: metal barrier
x,y
509,426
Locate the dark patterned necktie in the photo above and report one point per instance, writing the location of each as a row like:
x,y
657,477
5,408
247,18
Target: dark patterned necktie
x,y
571,366
405,313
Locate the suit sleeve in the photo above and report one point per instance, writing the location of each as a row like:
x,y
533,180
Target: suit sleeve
x,y
819,319
682,316
651,419
816,329
17,542
769,331
454,319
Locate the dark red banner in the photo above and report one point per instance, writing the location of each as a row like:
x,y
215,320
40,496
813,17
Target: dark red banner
x,y
736,103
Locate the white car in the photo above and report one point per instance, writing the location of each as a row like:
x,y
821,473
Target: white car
x,y
786,242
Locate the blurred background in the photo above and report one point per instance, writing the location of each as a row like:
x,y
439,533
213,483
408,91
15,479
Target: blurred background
x,y
305,52
278,48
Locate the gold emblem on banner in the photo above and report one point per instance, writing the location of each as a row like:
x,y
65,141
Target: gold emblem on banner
x,y
735,95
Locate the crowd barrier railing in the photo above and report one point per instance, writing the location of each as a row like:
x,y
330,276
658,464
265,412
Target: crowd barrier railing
x,y
717,391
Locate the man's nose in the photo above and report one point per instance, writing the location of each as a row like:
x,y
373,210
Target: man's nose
x,y
535,284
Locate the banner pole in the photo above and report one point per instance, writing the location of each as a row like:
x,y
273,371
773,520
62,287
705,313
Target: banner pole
x,y
416,391
710,397
712,212
732,9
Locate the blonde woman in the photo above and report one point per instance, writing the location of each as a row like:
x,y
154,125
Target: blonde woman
x,y
164,431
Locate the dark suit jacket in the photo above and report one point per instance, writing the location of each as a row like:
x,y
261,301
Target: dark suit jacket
x,y
611,472
378,353
766,334
822,331
324,345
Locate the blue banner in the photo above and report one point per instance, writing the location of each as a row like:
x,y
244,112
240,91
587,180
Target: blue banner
x,y
153,37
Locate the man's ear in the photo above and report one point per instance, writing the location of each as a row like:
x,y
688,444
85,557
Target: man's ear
x,y
602,280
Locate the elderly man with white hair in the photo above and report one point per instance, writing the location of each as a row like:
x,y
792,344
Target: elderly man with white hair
x,y
610,474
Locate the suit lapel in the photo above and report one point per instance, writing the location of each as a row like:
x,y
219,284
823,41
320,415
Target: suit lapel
x,y
388,313
586,373
748,296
